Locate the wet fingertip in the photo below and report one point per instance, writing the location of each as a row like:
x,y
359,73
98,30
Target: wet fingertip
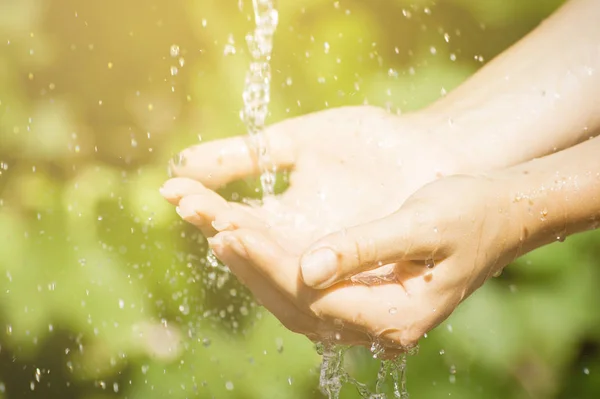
x,y
181,212
221,225
215,242
167,192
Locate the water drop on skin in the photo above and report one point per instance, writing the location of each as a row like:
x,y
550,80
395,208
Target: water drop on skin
x,y
178,160
393,311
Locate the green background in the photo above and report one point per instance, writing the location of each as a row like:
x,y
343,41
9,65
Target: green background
x,y
105,293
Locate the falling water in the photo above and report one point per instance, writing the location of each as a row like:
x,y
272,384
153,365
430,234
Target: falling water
x,y
256,94
333,375
256,98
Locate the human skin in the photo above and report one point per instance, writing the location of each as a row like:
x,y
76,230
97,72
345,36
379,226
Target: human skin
x,y
363,184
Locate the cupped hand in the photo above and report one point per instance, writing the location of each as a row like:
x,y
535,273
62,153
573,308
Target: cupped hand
x,y
348,167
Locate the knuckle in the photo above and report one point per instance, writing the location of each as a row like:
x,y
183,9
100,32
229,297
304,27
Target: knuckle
x,y
365,249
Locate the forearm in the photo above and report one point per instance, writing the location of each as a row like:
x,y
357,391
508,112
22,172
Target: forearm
x,y
552,197
540,96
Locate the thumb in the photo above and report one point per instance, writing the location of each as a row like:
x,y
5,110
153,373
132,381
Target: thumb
x,y
345,253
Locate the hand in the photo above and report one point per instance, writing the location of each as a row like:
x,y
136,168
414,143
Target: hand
x,y
348,166
441,245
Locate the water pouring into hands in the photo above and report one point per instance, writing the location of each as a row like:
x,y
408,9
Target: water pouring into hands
x,y
432,204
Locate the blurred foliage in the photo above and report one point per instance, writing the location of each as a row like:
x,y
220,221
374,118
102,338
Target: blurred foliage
x,y
105,293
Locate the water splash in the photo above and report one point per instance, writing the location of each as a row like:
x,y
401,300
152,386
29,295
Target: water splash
x,y
257,90
333,375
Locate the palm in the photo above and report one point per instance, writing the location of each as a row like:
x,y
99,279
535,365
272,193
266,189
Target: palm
x,y
346,173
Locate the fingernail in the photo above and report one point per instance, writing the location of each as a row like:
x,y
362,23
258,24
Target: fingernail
x,y
186,213
319,267
221,225
166,192
235,244
214,242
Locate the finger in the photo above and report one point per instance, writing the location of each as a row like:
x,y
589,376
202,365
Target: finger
x,y
237,217
220,162
273,262
201,210
343,254
229,249
277,303
175,189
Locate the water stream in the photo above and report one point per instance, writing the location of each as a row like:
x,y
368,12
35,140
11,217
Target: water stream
x,y
333,374
257,88
256,98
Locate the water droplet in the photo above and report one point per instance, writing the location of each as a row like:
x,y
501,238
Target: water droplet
x,y
174,50
178,160
377,349
229,386
121,304
586,371
393,311
229,49
174,70
430,263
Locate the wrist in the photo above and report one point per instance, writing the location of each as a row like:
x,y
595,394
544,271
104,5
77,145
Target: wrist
x,y
485,137
553,197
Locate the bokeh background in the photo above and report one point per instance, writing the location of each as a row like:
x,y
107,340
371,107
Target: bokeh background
x,y
104,293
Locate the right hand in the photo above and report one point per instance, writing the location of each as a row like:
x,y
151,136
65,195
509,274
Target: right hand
x,y
441,245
